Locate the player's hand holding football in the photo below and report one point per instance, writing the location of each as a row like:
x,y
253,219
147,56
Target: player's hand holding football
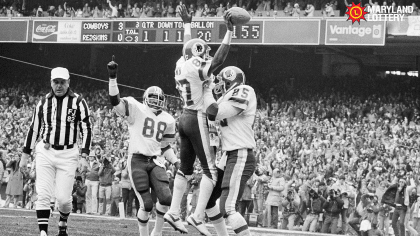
x,y
112,68
185,16
228,21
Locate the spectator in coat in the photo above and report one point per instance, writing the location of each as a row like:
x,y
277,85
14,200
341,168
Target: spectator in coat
x,y
14,187
106,173
116,193
92,184
314,206
79,195
246,200
258,192
274,198
290,208
347,193
332,206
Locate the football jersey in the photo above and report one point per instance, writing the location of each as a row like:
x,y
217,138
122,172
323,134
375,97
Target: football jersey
x,y
190,76
236,131
146,129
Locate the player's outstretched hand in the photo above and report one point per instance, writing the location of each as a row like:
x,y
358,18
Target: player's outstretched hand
x,y
185,16
228,21
112,68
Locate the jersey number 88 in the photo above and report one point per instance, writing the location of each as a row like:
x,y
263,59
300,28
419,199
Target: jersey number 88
x,y
149,129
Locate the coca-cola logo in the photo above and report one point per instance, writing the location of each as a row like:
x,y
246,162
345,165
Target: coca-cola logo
x,y
46,29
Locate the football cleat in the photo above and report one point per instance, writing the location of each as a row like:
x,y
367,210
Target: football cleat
x,y
199,225
229,78
175,222
43,233
62,231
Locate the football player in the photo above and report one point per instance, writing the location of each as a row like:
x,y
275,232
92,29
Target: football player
x,y
193,73
235,111
149,128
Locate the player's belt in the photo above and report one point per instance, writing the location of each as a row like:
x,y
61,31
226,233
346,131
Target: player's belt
x,y
58,147
138,155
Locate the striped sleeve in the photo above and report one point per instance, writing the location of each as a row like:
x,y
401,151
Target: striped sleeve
x,y
239,102
33,132
86,126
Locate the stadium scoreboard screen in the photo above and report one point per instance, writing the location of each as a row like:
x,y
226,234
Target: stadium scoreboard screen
x,y
281,31
171,32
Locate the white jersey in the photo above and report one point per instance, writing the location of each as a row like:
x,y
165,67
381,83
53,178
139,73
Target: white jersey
x,y
190,76
236,131
146,129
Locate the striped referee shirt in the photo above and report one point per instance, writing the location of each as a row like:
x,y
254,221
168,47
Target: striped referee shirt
x,y
57,121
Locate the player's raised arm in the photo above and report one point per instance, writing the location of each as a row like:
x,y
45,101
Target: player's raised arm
x,y
114,93
187,19
223,50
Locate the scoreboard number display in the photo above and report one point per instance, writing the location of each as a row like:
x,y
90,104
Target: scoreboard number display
x,y
166,32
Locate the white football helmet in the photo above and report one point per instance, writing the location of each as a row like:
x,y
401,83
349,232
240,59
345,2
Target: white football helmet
x,y
154,98
229,78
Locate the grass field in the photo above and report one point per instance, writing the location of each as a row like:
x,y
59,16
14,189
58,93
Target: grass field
x,y
17,222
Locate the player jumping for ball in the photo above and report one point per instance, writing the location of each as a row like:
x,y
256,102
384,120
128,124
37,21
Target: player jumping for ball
x,y
235,111
150,128
193,73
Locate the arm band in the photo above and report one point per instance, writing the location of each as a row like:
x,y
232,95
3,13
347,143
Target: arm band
x,y
227,38
187,29
114,94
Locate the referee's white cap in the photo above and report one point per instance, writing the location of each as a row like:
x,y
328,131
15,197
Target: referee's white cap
x,y
60,72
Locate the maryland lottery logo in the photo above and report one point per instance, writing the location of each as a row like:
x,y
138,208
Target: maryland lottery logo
x,y
356,13
377,13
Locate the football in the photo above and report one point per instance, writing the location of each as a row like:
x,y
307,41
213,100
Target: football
x,y
239,16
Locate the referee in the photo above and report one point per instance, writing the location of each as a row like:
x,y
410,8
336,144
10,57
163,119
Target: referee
x,y
56,121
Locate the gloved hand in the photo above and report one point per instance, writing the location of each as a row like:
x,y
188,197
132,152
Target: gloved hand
x,y
228,21
185,16
112,68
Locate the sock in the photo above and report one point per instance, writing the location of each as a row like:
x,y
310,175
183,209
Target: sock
x,y
43,216
206,188
238,224
160,212
180,185
143,222
63,219
217,220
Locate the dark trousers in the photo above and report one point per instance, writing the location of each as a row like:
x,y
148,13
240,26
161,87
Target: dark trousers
x,y
128,197
344,220
243,206
398,219
330,221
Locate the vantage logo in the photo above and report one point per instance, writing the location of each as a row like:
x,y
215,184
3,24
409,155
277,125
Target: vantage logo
x,y
374,31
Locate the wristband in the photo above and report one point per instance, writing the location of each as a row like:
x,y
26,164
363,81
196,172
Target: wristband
x,y
113,87
227,38
187,28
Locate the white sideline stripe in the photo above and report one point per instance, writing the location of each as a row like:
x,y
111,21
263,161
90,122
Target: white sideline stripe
x,y
253,229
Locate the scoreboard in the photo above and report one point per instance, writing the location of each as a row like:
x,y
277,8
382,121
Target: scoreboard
x,y
259,31
170,32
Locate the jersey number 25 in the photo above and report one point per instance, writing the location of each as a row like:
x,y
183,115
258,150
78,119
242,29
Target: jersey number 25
x,y
149,129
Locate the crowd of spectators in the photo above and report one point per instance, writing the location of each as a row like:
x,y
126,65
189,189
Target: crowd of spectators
x,y
329,150
199,8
